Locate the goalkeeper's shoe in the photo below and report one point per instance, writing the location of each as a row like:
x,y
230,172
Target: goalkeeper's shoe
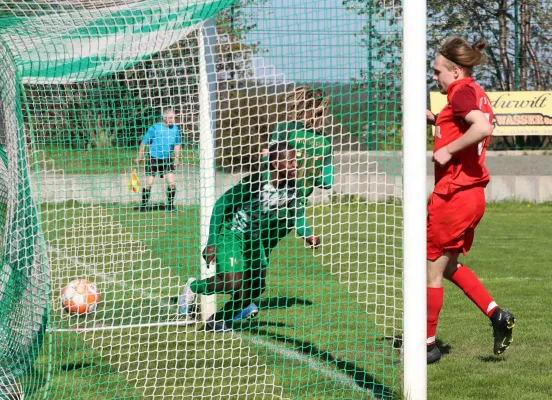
x,y
433,354
251,311
503,323
186,301
216,326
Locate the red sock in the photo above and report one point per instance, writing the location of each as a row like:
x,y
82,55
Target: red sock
x,y
466,280
434,304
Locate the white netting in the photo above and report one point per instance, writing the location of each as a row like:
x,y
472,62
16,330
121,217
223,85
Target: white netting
x,y
94,77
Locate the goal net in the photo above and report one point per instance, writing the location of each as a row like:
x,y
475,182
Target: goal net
x,y
202,88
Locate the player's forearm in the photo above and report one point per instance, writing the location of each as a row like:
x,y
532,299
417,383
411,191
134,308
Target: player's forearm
x,y
326,180
303,229
301,224
475,134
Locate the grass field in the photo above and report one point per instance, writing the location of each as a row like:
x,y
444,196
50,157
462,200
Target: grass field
x,y
512,256
113,160
326,325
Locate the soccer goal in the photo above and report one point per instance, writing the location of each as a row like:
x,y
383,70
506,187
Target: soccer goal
x,y
122,126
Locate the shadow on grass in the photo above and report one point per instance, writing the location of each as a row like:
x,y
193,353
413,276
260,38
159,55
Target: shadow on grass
x,y
153,207
397,341
255,324
282,302
76,366
263,304
362,378
491,359
444,348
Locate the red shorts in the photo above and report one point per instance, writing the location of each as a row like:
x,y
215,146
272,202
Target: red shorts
x,y
451,221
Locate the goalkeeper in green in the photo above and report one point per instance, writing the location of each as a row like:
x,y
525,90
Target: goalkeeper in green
x,y
306,115
241,223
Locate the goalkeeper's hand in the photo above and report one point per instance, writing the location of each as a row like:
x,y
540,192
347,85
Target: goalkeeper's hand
x,y
313,241
209,254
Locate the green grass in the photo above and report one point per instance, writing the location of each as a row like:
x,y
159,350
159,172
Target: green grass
x,y
301,347
115,160
511,256
320,334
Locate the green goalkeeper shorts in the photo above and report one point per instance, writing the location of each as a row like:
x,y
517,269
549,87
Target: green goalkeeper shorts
x,y
235,254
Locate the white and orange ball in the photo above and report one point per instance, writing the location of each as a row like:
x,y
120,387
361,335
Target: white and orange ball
x,y
80,297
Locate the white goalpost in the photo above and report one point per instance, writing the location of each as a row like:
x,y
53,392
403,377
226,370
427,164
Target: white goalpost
x,y
207,126
414,178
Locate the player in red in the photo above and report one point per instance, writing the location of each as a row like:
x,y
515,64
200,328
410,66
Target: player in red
x,y
462,133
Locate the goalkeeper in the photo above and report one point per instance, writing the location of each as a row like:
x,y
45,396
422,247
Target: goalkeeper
x,y
241,223
306,114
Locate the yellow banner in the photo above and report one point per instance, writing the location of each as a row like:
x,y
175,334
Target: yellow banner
x,y
515,113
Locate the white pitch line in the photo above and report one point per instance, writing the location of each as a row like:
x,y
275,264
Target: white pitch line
x,y
130,326
317,366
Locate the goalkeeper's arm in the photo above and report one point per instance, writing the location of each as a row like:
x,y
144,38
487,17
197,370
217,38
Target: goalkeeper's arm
x,y
303,229
326,179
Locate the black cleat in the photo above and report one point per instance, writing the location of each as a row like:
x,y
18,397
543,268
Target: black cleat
x,y
144,208
433,354
503,323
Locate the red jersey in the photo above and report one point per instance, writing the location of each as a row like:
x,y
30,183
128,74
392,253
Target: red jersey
x,y
466,168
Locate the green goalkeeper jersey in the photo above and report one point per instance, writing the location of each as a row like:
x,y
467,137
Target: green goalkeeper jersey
x,y
255,207
314,155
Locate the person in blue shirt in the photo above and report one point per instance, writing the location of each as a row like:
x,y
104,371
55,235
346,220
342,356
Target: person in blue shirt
x,y
164,152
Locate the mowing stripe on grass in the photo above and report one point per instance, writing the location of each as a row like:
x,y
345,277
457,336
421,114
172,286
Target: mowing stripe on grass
x,y
339,377
109,278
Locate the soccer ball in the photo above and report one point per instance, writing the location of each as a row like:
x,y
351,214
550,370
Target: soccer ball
x,y
80,297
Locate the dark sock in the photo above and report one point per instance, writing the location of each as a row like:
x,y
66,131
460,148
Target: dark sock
x,y
170,196
145,196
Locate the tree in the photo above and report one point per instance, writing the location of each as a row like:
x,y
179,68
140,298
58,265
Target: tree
x,y
518,33
519,41
116,110
380,80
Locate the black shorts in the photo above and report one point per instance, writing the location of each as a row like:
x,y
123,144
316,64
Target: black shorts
x,y
159,166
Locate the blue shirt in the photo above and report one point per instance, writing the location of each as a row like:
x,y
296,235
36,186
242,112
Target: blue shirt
x,y
162,139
